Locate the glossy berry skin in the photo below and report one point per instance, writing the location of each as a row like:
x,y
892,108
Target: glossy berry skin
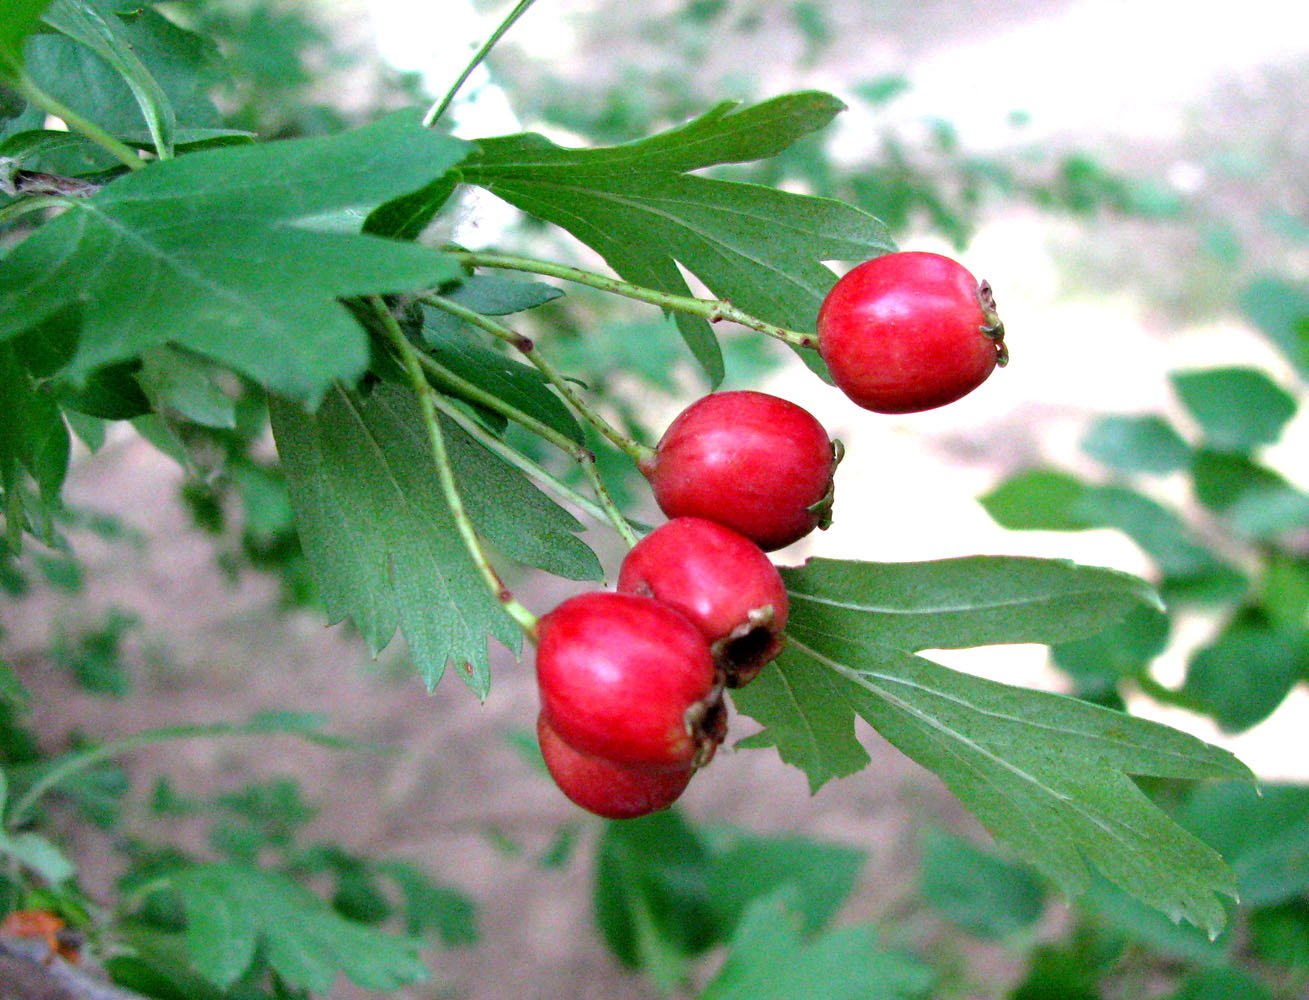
x,y
628,679
755,463
909,332
722,582
603,787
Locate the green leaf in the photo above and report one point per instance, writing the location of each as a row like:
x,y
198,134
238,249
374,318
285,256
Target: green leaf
x,y
496,295
1141,924
651,893
66,153
406,217
157,966
1137,444
34,442
1037,500
136,69
1238,409
234,910
429,906
1047,775
1222,984
771,959
1098,662
1060,974
639,208
1255,500
382,542
179,383
1280,308
1280,934
1246,671
977,890
14,695
517,384
822,874
1263,833
1049,500
20,19
1284,591
963,602
379,536
107,36
132,272
38,855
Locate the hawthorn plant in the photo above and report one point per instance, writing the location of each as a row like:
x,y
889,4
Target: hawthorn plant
x,y
153,258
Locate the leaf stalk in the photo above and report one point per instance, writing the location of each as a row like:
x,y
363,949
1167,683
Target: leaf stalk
x,y
435,112
51,105
713,310
408,357
642,455
584,457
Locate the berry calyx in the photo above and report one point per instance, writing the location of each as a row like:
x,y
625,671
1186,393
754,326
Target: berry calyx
x,y
631,680
722,582
603,787
755,463
910,331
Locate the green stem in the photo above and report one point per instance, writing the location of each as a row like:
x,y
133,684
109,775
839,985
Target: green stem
x,y
409,358
435,112
53,106
712,310
32,203
633,449
62,770
15,514
579,453
1168,696
520,461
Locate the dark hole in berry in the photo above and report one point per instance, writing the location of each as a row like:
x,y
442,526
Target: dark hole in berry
x,y
743,657
750,647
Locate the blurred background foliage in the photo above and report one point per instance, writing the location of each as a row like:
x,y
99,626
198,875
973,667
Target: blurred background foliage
x,y
1225,525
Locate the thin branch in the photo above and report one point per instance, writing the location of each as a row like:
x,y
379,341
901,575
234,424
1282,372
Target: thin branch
x,y
637,452
713,310
46,976
516,458
53,106
584,457
435,112
408,357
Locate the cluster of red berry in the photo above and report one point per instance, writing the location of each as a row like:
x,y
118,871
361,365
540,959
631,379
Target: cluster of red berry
x,y
632,682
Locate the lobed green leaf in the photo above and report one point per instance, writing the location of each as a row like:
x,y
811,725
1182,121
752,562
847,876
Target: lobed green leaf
x,y
636,205
963,602
382,542
235,911
771,959
1046,774
214,252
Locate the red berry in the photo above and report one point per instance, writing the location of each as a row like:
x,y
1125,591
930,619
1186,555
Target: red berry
x,y
603,787
722,582
909,332
629,679
758,464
